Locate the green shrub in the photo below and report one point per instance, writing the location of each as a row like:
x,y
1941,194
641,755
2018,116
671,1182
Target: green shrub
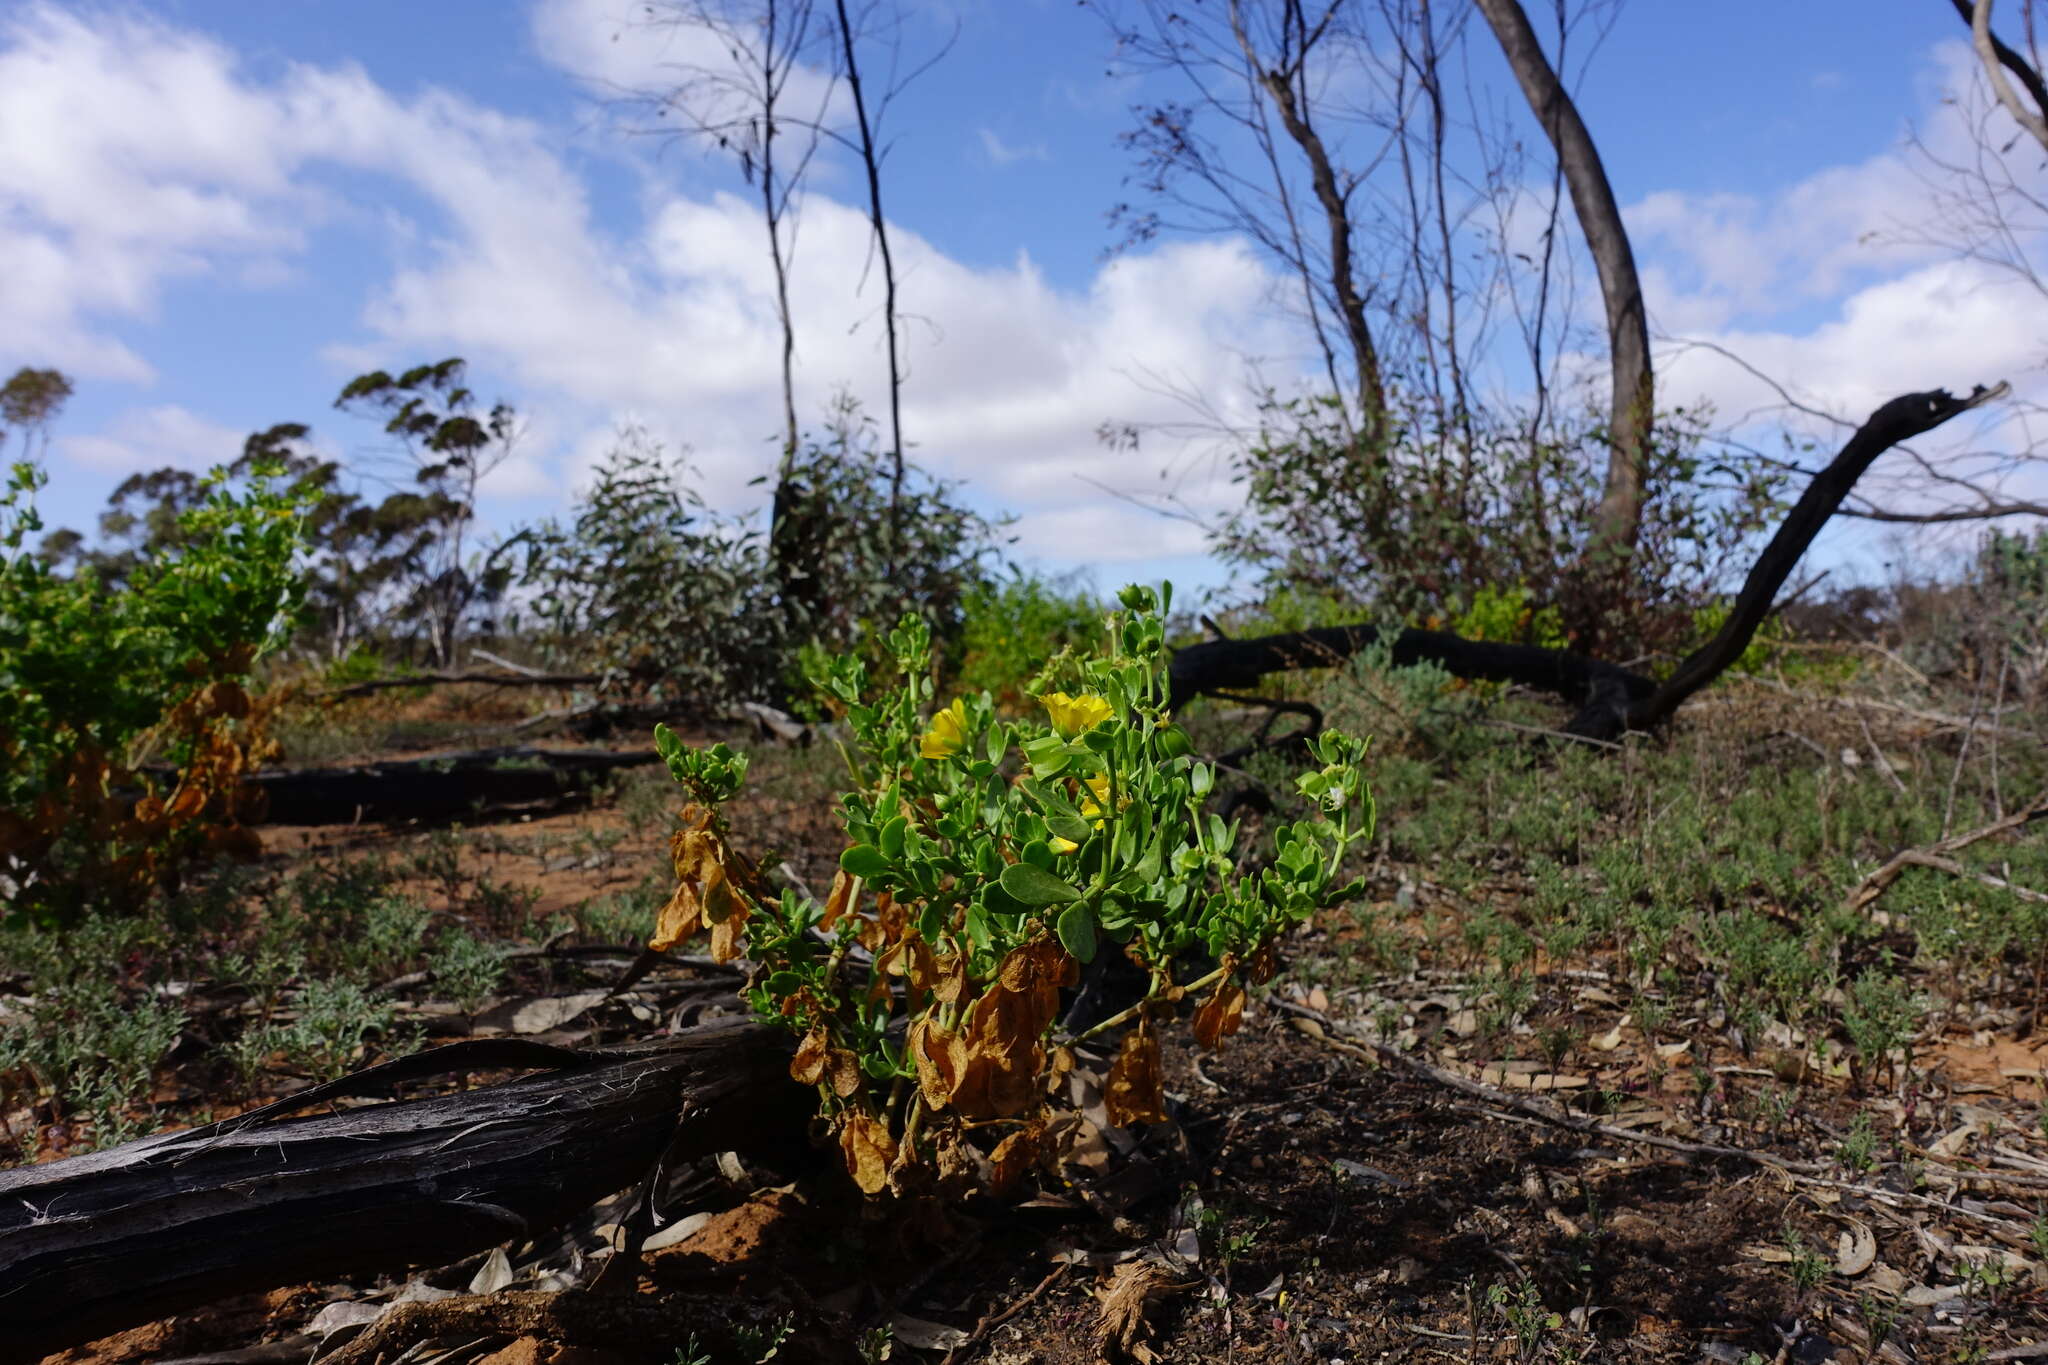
x,y
1408,527
1010,628
648,584
986,860
88,1039
676,602
1510,615
94,681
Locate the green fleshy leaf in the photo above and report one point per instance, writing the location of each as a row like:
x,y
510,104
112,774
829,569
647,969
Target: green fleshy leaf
x,y
1034,886
1077,931
863,860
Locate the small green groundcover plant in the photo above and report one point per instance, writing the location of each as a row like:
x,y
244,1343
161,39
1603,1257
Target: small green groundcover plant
x,y
987,861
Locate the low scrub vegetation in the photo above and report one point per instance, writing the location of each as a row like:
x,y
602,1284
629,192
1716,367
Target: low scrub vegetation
x,y
1004,902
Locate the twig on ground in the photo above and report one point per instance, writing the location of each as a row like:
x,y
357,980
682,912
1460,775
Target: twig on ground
x,y
1914,857
992,1320
1940,718
1543,733
1932,855
561,713
503,662
1802,1172
525,678
1884,765
1811,746
1538,1193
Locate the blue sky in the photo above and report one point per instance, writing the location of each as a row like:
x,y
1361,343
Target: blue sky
x,y
212,215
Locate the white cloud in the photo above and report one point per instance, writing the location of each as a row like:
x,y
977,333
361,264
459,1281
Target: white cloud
x,y
1718,259
1001,153
1009,377
1111,535
147,155
1843,290
151,438
629,50
667,319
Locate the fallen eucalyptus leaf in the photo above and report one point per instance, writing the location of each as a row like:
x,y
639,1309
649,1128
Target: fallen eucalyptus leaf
x,y
923,1335
679,1231
1855,1249
494,1274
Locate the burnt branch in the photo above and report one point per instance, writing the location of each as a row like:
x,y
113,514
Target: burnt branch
x,y
1609,699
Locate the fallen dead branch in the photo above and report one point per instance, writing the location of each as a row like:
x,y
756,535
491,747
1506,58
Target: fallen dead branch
x,y
96,1243
994,1319
364,689
440,787
1320,1026
1934,856
1609,699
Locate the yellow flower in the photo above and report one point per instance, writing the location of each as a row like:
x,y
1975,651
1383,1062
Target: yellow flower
x,y
948,734
1092,809
1060,845
1072,715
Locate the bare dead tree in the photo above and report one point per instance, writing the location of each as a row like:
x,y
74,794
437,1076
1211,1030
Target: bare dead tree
x,y
1253,74
1349,142
763,85
745,80
871,160
1327,135
1628,331
1998,58
1283,69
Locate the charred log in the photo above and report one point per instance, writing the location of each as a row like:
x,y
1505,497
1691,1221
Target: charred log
x,y
438,788
97,1243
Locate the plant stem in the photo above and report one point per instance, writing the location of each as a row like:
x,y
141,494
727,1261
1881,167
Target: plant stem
x,y
1125,1016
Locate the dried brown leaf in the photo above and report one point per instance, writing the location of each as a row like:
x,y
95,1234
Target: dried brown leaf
x,y
720,903
843,1070
919,966
1004,1055
838,899
704,891
725,937
868,1150
958,1164
893,918
951,983
678,920
887,964
941,1060
1015,1155
1133,1092
1221,1014
808,1066
229,699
